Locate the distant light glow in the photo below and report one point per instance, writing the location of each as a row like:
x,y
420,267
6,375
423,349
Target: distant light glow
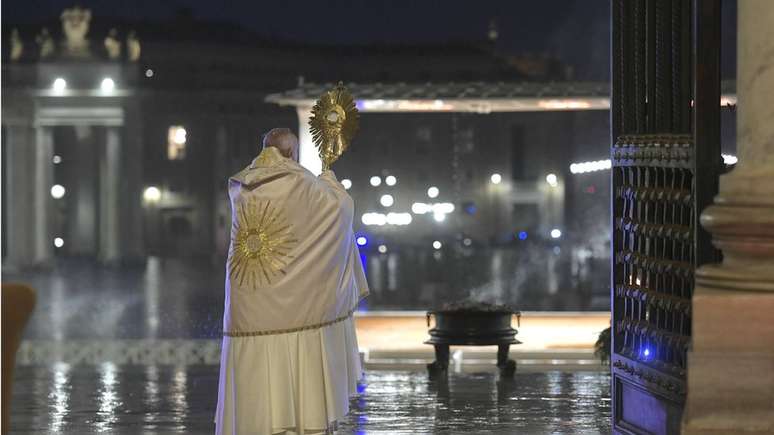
x,y
552,180
729,159
380,219
557,250
437,245
438,207
383,249
523,235
496,178
58,242
467,241
563,104
362,241
556,233
591,166
390,180
148,73
646,352
347,183
59,84
433,192
57,159
386,200
57,191
376,181
152,194
439,217
107,85
399,219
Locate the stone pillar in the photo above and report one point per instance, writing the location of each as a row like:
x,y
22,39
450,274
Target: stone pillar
x,y
42,180
731,362
308,156
109,197
20,194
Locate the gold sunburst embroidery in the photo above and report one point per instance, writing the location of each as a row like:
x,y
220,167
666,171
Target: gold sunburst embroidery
x,y
262,243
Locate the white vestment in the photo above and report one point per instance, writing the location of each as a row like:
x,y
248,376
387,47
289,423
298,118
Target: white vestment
x,y
289,360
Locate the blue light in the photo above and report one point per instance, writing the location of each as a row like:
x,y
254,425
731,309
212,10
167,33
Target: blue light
x,y
646,352
522,235
362,241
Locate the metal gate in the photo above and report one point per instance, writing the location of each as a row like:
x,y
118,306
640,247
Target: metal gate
x,y
665,119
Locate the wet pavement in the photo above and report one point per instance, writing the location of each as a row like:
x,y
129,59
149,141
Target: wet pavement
x,y
168,399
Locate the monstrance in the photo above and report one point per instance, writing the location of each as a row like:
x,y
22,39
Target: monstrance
x,y
333,124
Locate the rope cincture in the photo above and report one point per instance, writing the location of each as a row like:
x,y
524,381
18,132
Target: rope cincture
x,y
289,330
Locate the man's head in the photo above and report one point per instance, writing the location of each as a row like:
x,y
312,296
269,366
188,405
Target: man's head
x,y
284,140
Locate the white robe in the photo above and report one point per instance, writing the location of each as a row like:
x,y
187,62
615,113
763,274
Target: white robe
x,y
294,277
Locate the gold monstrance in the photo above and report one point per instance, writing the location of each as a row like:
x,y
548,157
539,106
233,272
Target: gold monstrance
x,y
333,124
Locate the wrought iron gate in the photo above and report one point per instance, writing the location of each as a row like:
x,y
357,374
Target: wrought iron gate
x,y
666,160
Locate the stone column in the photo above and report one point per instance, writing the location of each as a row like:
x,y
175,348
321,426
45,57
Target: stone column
x,y
42,180
20,194
307,152
109,197
731,363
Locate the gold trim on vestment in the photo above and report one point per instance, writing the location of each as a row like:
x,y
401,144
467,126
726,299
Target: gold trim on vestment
x,y
289,330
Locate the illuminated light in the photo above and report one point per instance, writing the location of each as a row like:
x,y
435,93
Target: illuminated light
x,y
433,192
496,178
148,73
107,85
591,166
57,191
362,241
58,242
399,218
727,100
386,200
437,245
523,235
564,104
375,181
439,217
383,249
729,159
390,180
557,250
467,242
59,84
552,180
347,183
556,233
373,219
179,135
637,281
420,208
404,105
152,194
57,159
443,207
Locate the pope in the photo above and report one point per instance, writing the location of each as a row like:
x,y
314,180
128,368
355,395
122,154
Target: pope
x,y
289,359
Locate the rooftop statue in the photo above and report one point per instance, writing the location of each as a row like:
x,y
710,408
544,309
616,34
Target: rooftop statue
x,y
45,43
17,46
113,45
75,25
133,46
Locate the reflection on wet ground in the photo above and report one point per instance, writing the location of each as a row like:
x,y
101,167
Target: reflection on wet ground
x,y
178,298
157,399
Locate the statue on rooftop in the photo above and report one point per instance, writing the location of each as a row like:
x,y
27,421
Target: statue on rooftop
x,y
113,45
133,46
17,46
75,25
45,43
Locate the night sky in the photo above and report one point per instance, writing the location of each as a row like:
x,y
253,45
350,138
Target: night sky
x,y
575,31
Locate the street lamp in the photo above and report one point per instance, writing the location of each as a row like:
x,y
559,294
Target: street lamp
x,y
433,192
107,85
496,178
552,180
59,84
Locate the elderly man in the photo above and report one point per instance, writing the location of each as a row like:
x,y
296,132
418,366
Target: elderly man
x,y
294,277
